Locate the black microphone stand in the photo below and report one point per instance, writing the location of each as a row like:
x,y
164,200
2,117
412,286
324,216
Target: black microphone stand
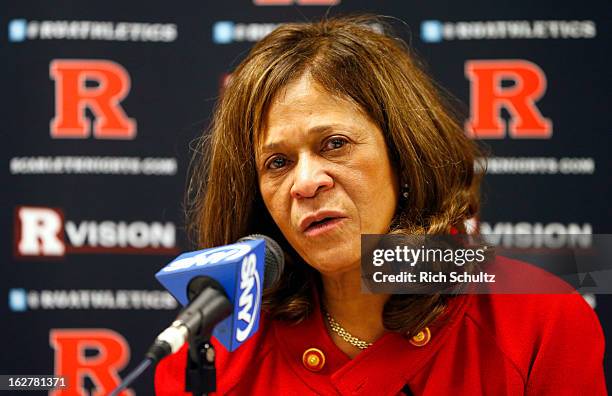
x,y
200,372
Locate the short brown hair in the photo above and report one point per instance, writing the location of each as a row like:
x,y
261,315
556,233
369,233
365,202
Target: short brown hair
x,y
350,59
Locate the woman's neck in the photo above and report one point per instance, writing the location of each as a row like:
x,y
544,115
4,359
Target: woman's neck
x,y
357,312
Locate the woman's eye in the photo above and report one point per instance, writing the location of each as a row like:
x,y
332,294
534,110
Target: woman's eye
x,y
277,163
335,143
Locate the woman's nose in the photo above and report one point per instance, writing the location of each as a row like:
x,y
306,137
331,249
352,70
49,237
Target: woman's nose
x,y
311,177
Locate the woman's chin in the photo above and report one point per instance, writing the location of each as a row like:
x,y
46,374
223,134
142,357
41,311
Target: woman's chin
x,y
332,268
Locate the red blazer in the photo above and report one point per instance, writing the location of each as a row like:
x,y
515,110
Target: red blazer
x,y
483,345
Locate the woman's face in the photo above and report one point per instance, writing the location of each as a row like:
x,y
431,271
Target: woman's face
x,y
324,175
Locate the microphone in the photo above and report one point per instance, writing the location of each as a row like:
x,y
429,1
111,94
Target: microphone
x,y
221,288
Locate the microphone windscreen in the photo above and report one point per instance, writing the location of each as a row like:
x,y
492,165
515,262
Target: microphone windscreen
x,y
274,261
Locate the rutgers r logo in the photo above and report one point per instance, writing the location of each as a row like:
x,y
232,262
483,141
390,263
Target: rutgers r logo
x,y
97,85
43,232
488,97
112,354
39,231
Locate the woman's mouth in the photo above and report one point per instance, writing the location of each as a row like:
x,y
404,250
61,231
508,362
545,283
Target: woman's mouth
x,y
323,225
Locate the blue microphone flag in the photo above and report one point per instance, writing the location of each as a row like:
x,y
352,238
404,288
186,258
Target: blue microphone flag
x,y
239,268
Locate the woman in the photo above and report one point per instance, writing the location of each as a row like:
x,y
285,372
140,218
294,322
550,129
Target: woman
x,y
331,130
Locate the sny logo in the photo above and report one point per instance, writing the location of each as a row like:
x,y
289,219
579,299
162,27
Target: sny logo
x,y
249,298
211,256
97,85
488,96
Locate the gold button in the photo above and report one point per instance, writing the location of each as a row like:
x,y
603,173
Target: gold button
x,y
422,338
313,359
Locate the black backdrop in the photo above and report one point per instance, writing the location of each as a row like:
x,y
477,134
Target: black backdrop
x,y
92,212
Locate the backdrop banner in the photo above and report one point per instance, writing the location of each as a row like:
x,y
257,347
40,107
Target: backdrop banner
x,y
101,100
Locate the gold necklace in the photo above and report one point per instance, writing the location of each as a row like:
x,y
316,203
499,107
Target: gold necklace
x,y
345,335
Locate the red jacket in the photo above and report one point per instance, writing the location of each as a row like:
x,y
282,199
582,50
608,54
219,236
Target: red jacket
x,y
483,345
